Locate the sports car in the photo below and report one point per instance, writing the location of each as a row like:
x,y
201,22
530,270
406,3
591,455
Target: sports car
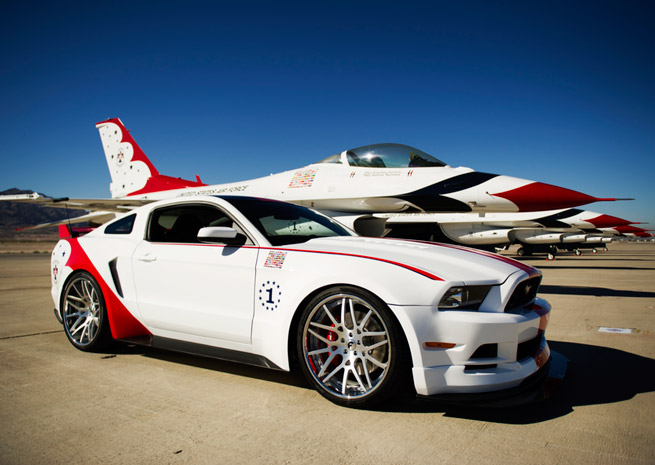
x,y
278,285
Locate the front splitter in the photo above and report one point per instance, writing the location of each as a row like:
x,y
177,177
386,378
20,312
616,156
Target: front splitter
x,y
537,387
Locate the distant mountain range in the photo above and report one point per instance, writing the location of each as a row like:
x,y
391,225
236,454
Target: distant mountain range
x,y
14,215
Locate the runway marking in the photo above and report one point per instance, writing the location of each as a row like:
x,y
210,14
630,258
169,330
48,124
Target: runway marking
x,y
604,329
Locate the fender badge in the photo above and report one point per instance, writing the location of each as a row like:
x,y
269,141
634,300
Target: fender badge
x,y
275,259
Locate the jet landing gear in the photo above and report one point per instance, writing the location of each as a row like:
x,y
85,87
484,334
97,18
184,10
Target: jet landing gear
x,y
526,251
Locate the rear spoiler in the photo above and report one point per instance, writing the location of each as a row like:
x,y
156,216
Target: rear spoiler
x,y
66,231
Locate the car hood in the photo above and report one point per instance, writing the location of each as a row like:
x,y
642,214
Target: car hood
x,y
448,262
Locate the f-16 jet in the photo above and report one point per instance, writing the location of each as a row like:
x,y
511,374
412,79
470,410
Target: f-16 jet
x,y
353,185
535,232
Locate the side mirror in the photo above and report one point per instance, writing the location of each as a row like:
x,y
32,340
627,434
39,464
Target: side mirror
x,y
217,234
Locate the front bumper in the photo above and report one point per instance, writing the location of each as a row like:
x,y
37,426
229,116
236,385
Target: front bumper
x,y
478,352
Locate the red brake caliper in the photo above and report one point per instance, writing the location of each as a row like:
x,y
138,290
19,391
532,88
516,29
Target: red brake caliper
x,y
332,336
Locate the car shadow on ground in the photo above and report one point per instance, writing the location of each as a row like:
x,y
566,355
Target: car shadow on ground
x,y
294,378
595,375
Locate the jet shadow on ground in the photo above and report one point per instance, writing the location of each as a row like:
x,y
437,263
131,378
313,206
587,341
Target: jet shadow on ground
x,y
587,268
572,261
592,291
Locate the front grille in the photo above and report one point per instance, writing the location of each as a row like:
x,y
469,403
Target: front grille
x,y
524,293
476,368
528,348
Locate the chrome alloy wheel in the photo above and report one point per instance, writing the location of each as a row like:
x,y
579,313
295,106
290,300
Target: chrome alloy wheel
x,y
83,310
346,346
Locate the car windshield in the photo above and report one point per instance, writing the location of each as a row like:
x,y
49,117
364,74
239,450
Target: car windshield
x,y
386,156
284,223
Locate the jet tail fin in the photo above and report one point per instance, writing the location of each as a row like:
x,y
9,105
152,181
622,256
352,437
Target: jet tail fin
x,y
132,173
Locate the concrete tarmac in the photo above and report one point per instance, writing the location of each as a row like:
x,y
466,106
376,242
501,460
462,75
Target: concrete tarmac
x,y
137,405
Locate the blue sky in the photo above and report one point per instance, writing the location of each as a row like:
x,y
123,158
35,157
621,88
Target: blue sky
x,y
558,92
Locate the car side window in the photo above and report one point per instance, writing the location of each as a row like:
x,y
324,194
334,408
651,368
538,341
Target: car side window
x,y
181,223
122,226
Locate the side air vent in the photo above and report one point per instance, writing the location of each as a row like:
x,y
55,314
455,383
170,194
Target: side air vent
x,y
486,351
524,293
114,277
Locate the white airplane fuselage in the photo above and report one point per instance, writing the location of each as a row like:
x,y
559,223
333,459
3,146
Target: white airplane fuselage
x,y
380,178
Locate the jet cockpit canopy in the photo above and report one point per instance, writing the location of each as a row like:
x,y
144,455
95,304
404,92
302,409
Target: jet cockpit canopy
x,y
385,156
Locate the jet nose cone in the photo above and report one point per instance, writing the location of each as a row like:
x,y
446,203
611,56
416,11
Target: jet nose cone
x,y
607,221
538,196
631,230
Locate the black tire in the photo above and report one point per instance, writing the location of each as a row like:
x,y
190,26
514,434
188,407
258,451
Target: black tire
x,y
521,252
84,313
351,348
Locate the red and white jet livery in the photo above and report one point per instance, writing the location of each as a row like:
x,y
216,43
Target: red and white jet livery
x,y
568,229
352,185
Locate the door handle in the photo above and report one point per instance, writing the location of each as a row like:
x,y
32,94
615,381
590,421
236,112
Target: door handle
x,y
146,258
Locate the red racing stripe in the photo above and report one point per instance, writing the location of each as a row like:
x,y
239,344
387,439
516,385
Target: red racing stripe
x,y
510,261
343,254
366,257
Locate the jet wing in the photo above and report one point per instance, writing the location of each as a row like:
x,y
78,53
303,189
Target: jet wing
x,y
105,205
94,217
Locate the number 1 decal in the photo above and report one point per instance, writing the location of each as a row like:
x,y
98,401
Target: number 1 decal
x,y
270,295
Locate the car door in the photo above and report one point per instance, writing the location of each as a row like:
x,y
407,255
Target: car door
x,y
187,288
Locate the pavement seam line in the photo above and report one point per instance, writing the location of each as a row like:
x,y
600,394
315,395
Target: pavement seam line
x,y
32,334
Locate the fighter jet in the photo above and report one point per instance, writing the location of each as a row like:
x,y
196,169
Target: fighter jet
x,y
629,231
352,185
535,232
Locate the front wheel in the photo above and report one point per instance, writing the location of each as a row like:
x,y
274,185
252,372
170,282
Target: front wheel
x,y
84,313
350,347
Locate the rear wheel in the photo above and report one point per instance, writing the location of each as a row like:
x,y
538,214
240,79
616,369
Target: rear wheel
x,y
84,313
350,347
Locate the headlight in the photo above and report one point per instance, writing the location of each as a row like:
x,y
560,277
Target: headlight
x,y
463,298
